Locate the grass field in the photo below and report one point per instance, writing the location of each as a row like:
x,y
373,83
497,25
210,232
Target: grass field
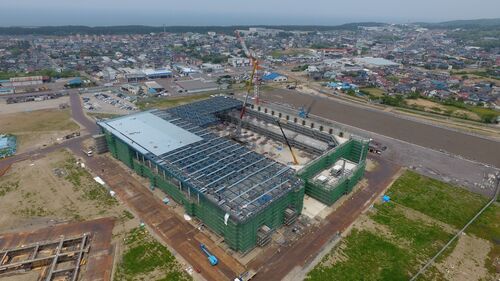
x,y
40,120
457,110
170,102
34,128
394,239
146,259
373,92
439,200
290,52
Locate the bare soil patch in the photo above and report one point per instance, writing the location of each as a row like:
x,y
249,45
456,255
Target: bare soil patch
x,y
466,262
36,129
38,195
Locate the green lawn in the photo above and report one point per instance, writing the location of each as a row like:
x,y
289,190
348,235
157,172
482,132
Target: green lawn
x,y
367,257
450,204
373,92
37,121
424,239
399,244
146,259
375,256
170,102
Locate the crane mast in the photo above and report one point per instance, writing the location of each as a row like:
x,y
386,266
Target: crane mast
x,y
253,75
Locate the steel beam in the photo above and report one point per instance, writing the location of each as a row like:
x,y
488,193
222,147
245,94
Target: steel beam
x,y
250,189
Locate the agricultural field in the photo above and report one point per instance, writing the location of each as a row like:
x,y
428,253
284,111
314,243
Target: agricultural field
x,y
146,259
394,239
36,129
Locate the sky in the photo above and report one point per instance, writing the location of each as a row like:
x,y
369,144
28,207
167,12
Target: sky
x,y
238,12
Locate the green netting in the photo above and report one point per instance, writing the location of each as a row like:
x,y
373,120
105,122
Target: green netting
x,y
239,236
243,236
352,150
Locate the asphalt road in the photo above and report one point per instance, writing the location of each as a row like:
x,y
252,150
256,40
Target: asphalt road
x,y
79,116
471,147
75,144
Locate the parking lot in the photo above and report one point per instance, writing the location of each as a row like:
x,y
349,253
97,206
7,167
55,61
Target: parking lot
x,y
108,102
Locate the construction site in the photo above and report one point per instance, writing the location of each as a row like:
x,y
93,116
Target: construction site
x,y
242,175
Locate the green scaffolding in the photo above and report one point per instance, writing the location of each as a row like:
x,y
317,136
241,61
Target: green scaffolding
x,y
353,150
239,236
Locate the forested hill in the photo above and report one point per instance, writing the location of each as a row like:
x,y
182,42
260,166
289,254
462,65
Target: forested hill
x,y
143,29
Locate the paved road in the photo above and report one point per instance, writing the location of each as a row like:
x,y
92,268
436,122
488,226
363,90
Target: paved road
x,y
471,147
303,251
74,144
79,116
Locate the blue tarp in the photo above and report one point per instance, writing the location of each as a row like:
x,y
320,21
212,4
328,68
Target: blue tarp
x,y
75,81
271,76
386,198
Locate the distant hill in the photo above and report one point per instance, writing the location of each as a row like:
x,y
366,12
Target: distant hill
x,y
466,24
143,29
487,24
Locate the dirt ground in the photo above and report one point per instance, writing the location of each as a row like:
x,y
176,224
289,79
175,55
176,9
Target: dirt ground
x,y
37,129
32,105
39,197
33,195
467,260
425,103
431,106
470,115
96,263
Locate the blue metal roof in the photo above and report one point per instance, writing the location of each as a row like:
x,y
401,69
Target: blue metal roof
x,y
271,76
75,81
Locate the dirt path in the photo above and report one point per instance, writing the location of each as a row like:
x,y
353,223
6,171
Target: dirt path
x,y
179,235
303,251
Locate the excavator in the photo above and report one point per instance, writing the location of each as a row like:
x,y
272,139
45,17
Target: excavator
x,y
304,112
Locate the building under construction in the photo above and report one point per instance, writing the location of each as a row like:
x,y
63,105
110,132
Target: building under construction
x,y
207,159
